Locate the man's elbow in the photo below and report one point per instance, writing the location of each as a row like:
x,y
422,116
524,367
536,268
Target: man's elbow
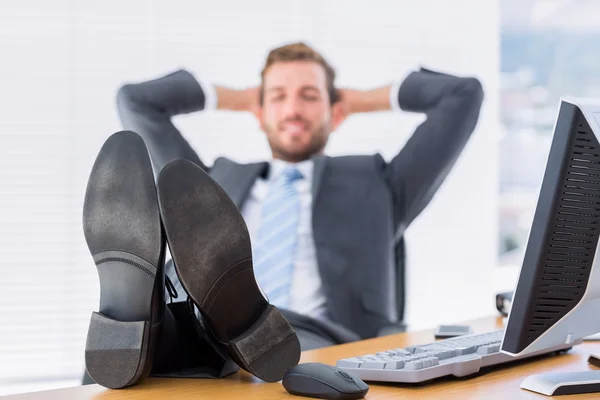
x,y
129,101
126,95
470,90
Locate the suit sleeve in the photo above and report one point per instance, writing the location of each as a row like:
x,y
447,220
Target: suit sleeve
x,y
147,108
452,106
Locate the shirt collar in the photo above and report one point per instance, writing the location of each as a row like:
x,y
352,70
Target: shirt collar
x,y
305,167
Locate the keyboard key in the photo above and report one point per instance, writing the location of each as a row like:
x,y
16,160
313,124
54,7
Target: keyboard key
x,y
465,350
401,352
446,354
394,364
441,354
349,363
373,365
411,349
414,365
426,349
413,358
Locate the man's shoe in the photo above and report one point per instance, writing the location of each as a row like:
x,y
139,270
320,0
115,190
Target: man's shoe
x,y
123,231
210,246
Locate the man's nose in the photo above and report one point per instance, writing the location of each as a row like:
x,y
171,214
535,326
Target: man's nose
x,y
292,107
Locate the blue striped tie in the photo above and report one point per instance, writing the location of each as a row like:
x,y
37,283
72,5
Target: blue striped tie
x,y
277,239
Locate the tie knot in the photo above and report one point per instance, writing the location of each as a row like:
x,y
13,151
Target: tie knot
x,y
290,174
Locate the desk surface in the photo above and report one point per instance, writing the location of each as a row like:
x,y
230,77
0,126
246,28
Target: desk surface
x,y
498,383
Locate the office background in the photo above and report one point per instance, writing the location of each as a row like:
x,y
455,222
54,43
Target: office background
x,y
63,61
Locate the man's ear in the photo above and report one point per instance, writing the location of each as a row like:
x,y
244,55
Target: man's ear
x,y
338,114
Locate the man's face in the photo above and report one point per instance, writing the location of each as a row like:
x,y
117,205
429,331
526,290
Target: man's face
x,y
296,113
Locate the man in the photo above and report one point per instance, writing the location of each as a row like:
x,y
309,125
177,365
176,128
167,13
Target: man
x,y
324,229
353,209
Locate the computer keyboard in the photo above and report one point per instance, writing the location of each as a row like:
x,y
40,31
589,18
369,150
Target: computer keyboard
x,y
459,356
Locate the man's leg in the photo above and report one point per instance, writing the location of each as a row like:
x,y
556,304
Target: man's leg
x,y
184,348
314,333
311,340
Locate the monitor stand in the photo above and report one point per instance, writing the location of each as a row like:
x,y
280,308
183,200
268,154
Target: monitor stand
x,y
557,383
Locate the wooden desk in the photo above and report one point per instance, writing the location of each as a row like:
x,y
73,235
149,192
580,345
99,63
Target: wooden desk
x,y
499,383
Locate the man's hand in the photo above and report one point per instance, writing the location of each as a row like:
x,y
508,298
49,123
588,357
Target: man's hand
x,y
355,101
251,98
350,100
239,100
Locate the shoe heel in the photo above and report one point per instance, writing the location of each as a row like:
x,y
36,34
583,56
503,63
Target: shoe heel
x,y
261,349
115,354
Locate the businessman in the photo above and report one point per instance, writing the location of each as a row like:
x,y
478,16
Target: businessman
x,y
324,230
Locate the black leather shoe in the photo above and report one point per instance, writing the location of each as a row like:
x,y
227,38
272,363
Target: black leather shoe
x,y
123,231
210,246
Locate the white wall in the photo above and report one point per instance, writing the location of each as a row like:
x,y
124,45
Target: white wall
x,y
62,63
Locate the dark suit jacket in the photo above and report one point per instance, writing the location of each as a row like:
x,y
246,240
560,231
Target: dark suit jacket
x,y
361,204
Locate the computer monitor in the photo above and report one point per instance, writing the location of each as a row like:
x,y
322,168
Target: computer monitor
x,y
557,297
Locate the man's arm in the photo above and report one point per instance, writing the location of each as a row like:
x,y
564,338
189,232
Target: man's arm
x,y
452,106
147,108
238,100
363,101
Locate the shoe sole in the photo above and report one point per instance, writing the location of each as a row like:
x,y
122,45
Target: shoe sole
x,y
211,248
123,231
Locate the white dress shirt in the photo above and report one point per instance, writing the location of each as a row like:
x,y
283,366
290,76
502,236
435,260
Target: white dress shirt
x,y
306,295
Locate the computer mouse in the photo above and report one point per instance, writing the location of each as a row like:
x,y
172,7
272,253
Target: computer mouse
x,y
323,382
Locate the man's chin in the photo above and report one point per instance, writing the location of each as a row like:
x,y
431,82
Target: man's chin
x,y
294,154
297,140
296,145
296,149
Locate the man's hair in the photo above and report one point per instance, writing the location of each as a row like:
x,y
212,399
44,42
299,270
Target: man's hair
x,y
300,52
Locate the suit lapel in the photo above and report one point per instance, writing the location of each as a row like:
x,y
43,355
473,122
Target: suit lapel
x,y
238,179
320,232
318,169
